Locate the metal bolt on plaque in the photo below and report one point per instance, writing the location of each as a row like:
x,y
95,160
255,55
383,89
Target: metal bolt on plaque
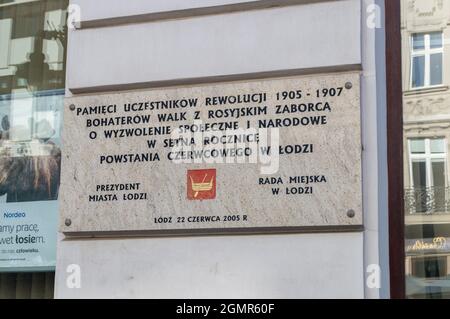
x,y
351,213
348,85
68,222
72,107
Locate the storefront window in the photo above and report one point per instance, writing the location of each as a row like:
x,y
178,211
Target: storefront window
x,y
32,81
426,98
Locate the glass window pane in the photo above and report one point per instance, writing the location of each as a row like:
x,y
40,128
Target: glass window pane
x,y
426,116
29,23
436,69
436,40
417,146
438,171
429,267
418,41
438,168
437,146
32,83
420,192
418,71
419,174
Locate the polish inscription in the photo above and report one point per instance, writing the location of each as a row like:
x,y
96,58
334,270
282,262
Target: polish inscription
x,y
277,153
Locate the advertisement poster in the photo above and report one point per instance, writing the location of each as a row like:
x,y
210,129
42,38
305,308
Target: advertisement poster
x,y
27,235
30,158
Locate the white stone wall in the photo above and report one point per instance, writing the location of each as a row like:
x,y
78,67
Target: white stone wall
x,y
299,36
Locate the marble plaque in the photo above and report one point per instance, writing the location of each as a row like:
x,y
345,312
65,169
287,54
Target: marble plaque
x,y
276,155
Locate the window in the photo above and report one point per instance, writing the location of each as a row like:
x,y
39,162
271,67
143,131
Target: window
x,y
32,82
428,174
429,267
426,59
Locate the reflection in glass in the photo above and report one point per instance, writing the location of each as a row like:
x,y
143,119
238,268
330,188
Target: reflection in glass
x,y
30,153
426,98
32,81
418,77
436,40
417,146
436,69
426,59
418,41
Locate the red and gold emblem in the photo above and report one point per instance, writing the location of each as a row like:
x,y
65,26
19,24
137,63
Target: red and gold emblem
x,y
201,184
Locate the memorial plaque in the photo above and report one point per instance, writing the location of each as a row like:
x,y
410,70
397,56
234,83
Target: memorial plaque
x,y
278,154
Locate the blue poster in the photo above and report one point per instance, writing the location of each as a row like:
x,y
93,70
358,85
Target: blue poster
x,y
28,235
30,164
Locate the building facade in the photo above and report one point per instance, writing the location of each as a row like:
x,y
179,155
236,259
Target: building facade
x,y
425,33
56,50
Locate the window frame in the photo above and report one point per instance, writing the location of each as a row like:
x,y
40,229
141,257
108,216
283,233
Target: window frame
x,y
426,52
429,158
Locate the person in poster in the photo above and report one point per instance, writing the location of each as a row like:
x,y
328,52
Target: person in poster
x,y
29,170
